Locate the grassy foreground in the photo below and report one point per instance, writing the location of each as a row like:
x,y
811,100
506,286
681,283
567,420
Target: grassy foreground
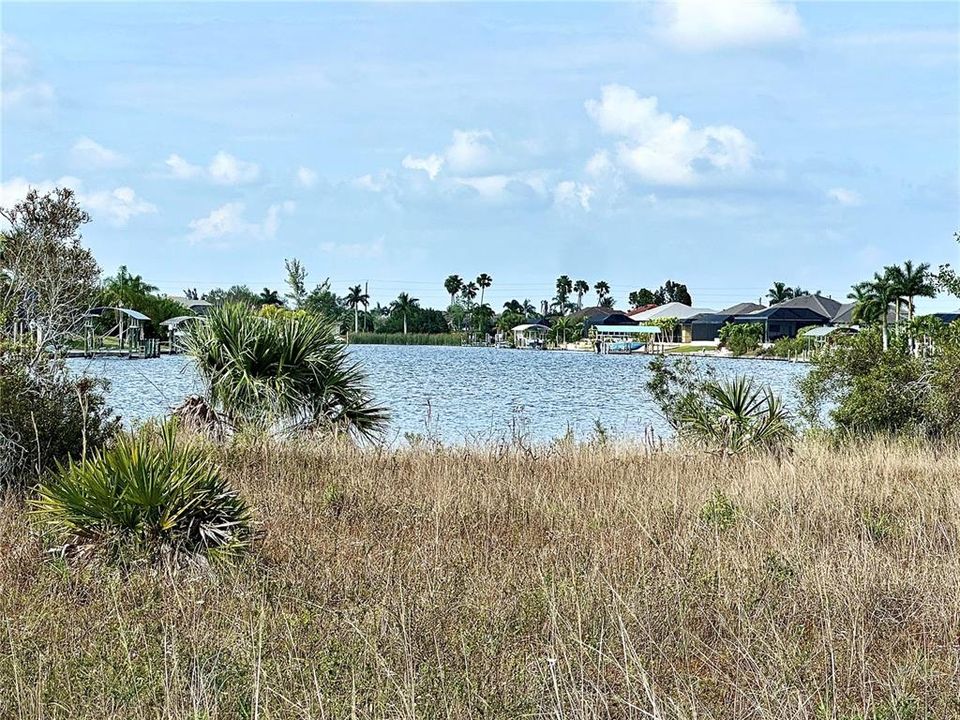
x,y
576,583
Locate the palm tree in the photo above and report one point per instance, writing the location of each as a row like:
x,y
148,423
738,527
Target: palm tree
x,y
581,288
452,285
355,298
269,297
529,309
564,288
880,294
404,304
603,289
867,308
733,417
366,306
124,288
779,293
513,306
914,282
469,292
484,281
286,373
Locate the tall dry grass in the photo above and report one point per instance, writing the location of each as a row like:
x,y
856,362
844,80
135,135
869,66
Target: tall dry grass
x,y
575,582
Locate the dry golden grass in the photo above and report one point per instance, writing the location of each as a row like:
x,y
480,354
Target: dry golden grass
x,y
580,582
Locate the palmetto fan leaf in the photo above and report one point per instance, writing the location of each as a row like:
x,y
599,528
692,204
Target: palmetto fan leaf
x,y
734,417
284,373
148,494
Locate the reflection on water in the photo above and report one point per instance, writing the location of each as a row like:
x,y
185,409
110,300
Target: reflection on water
x,y
465,394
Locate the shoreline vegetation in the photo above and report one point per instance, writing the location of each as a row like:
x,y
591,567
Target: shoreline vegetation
x,y
446,339
577,581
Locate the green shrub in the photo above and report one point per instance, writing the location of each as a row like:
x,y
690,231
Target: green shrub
x,y
867,390
47,415
719,512
285,373
741,338
146,496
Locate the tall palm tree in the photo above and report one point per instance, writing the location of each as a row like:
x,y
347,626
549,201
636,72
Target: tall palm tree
x,y
881,293
469,292
452,285
366,307
581,288
564,288
603,289
914,282
404,304
484,281
779,293
355,298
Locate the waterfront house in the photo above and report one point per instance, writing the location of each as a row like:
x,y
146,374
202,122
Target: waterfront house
x,y
675,310
786,319
705,327
591,317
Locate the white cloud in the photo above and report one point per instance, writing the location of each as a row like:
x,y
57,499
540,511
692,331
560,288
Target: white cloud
x,y
663,149
117,206
181,169
306,177
702,25
228,222
843,196
224,169
471,151
367,251
91,154
22,87
569,193
372,183
430,165
599,164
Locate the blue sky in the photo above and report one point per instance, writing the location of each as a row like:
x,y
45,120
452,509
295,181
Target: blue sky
x,y
724,146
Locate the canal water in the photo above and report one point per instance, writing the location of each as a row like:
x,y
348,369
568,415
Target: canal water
x,y
466,395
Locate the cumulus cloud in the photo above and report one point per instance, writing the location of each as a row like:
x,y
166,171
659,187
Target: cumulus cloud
x,y
470,152
223,169
21,86
703,25
228,223
91,154
569,193
430,165
660,148
367,251
845,197
306,177
117,206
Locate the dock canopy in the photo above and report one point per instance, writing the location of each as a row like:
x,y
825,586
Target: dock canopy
x,y
180,319
133,314
530,335
823,331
